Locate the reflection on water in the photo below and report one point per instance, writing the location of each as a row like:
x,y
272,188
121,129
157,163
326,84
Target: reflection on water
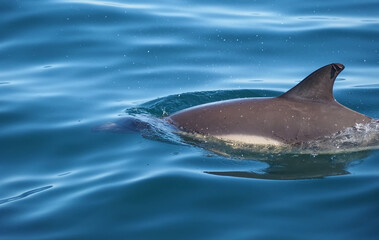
x,y
292,167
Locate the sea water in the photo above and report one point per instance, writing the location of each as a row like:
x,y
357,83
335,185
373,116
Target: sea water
x,y
68,66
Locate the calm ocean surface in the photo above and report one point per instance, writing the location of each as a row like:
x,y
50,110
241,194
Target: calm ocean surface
x,y
67,66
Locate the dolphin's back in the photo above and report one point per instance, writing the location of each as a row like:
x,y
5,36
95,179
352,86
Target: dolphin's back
x,y
305,112
279,119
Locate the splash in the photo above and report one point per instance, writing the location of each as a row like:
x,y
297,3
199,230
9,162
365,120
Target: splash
x,y
357,138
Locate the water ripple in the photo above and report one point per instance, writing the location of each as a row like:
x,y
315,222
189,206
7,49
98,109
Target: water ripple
x,y
24,195
67,66
235,18
112,4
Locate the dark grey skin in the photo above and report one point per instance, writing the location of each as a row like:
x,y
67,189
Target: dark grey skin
x,y
306,112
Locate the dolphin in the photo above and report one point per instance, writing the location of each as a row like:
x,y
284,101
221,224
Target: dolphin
x,y
306,112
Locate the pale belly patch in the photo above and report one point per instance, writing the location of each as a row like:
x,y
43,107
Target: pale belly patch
x,y
249,139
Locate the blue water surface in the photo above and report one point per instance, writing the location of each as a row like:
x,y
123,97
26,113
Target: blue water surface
x,y
67,66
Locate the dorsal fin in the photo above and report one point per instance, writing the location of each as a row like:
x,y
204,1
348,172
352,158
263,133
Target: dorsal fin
x,y
318,86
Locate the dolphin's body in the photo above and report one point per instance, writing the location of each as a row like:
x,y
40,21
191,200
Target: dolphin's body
x,y
306,112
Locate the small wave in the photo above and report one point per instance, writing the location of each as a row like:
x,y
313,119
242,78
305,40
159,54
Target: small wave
x,y
24,195
148,126
113,4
